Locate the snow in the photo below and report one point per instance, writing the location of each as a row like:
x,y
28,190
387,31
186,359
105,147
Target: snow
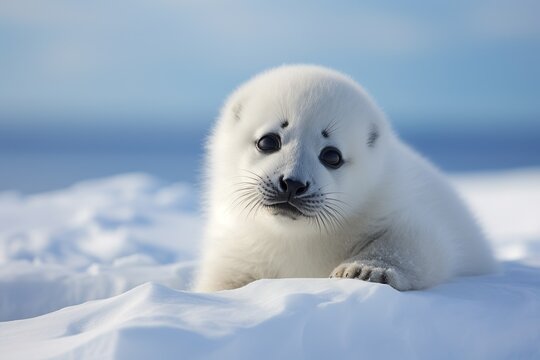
x,y
130,244
94,240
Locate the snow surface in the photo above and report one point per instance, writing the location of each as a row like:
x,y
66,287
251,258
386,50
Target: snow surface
x,y
132,242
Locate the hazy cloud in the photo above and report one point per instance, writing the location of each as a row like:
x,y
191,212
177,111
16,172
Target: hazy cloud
x,y
167,58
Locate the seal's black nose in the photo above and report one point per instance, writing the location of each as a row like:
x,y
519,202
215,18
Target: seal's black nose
x,y
292,187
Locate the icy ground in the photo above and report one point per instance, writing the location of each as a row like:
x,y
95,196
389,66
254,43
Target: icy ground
x,y
99,239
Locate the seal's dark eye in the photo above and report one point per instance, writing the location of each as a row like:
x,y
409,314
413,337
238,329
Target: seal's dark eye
x,y
331,157
269,143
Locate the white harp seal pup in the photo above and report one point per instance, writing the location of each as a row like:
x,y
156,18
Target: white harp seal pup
x,y
306,178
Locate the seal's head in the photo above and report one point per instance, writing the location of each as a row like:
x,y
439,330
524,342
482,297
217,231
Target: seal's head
x,y
296,144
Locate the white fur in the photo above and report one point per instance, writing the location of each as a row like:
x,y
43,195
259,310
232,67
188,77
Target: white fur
x,y
399,220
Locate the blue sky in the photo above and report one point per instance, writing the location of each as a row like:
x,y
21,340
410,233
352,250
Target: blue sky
x,y
175,61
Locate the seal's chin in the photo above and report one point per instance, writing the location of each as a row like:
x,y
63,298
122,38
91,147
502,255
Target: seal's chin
x,y
285,209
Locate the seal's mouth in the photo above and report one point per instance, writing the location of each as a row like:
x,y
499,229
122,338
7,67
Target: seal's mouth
x,y
286,209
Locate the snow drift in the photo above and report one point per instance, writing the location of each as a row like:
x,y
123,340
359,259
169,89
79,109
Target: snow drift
x,y
99,239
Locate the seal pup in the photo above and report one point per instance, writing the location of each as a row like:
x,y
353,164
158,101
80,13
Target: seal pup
x,y
306,178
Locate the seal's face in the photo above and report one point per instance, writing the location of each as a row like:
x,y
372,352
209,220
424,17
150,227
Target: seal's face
x,y
297,145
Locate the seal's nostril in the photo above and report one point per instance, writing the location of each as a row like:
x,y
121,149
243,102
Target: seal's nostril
x,y
282,184
302,189
292,187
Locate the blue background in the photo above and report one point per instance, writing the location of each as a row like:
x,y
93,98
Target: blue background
x,y
89,89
